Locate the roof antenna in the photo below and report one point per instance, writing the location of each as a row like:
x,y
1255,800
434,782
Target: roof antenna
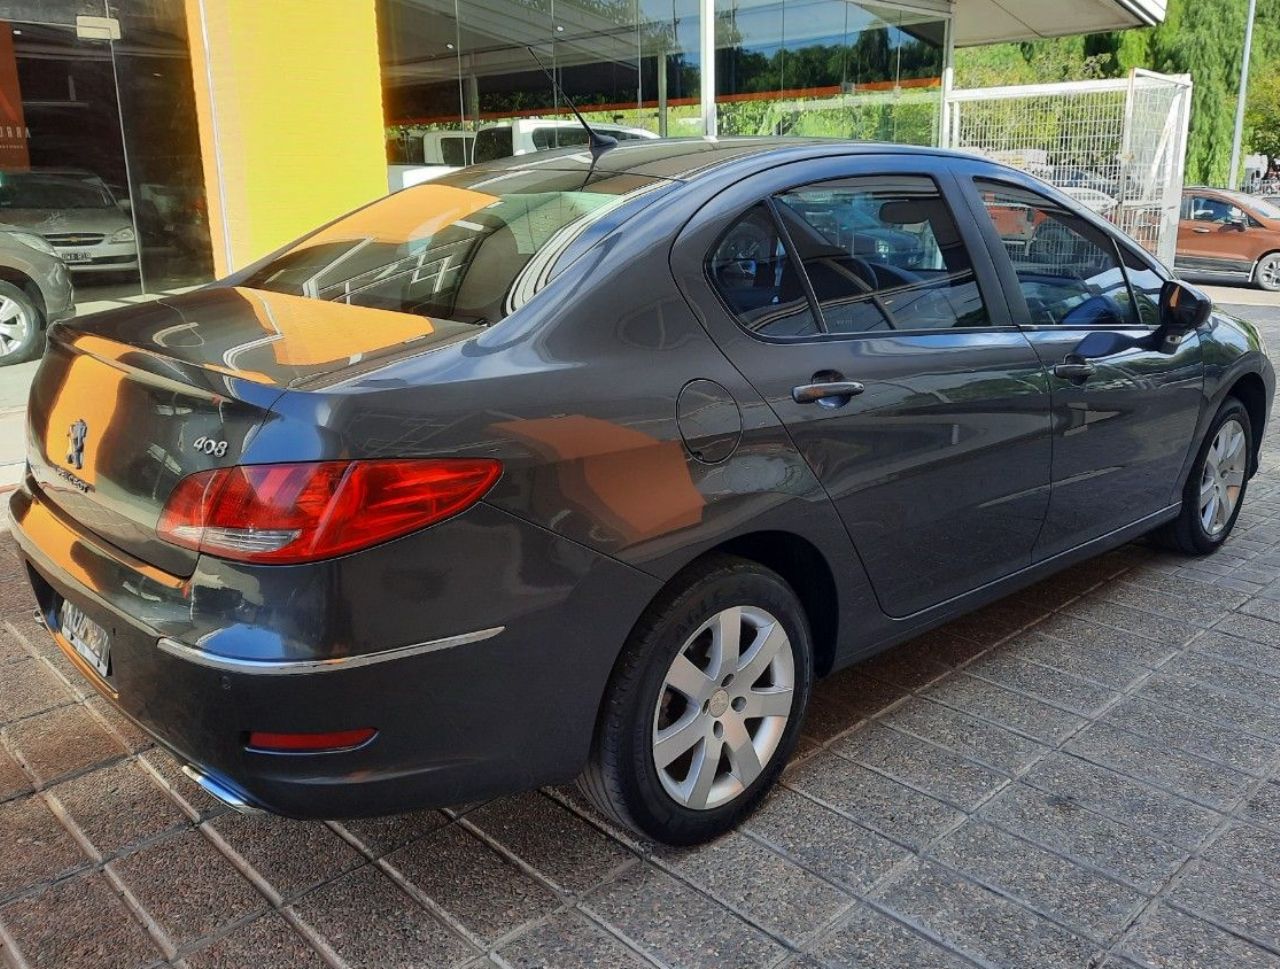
x,y
598,143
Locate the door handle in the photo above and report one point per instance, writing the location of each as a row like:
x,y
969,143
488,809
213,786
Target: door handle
x,y
1202,231
827,392
1076,370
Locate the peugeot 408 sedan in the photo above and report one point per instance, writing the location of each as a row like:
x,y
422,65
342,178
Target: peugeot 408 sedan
x,y
568,467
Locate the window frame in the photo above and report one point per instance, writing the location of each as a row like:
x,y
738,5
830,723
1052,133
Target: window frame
x,y
866,167
1004,264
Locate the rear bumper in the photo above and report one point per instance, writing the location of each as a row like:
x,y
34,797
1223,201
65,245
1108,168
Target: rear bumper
x,y
505,702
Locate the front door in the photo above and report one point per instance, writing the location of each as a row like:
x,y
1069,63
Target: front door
x,y
847,293
1122,423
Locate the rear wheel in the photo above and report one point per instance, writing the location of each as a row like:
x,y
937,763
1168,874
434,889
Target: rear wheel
x,y
1267,275
1215,489
705,704
21,326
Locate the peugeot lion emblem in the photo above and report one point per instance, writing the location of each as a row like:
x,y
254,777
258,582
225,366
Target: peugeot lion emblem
x,y
75,443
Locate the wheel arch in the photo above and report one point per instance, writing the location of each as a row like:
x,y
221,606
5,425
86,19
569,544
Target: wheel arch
x,y
809,574
1250,390
28,285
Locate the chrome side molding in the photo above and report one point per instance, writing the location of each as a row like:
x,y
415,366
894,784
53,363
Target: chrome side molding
x,y
291,667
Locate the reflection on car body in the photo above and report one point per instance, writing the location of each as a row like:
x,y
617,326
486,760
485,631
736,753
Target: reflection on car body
x,y
567,466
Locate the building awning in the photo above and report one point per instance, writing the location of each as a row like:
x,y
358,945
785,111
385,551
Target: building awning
x,y
994,21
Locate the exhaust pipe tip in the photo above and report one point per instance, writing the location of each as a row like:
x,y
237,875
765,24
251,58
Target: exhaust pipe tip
x,y
219,791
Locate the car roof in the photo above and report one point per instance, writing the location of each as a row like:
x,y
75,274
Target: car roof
x,y
683,159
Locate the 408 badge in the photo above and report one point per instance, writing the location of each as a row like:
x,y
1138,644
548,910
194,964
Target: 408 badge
x,y
211,447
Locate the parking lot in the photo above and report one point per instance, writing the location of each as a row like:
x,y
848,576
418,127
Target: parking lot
x,y
1086,774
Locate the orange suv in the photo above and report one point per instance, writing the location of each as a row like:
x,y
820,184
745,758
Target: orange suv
x,y
1229,236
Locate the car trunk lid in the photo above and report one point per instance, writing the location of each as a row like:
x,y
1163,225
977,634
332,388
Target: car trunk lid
x,y
127,403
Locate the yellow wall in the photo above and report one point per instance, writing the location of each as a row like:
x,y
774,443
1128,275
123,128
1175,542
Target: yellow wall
x,y
289,103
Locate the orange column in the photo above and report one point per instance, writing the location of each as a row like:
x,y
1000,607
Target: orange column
x,y
289,105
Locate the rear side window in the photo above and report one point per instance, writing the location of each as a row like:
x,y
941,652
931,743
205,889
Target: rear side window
x,y
1068,270
754,273
883,253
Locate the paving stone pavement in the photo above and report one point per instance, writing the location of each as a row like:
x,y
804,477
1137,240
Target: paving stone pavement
x,y
1086,774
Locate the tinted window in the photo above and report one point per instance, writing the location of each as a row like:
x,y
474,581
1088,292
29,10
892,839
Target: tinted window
x,y
453,151
1068,269
566,137
883,253
1205,209
756,276
491,144
470,247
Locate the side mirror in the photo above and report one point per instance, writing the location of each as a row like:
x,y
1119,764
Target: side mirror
x,y
126,205
1183,309
1237,222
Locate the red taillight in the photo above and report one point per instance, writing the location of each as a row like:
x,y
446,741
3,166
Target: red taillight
x,y
289,513
313,743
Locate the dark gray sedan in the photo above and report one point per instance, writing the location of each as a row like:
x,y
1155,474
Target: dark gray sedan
x,y
560,467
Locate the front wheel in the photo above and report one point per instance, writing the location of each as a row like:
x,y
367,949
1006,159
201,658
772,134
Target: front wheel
x,y
1215,489
705,704
21,328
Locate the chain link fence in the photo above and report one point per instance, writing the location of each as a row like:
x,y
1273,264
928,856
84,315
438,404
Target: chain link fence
x,y
1117,146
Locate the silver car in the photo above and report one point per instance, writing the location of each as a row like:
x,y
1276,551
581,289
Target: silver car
x,y
77,214
35,290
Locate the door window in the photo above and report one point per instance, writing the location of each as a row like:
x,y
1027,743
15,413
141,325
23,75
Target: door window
x,y
753,272
1216,211
883,253
1068,270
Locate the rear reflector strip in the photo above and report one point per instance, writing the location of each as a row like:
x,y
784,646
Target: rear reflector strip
x,y
310,743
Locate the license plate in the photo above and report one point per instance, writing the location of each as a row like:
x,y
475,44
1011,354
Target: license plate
x,y
75,255
89,639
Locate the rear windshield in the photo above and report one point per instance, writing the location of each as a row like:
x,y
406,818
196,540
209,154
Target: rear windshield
x,y
470,247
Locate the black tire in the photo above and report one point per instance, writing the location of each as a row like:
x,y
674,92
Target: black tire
x,y
29,341
1187,532
1267,273
622,778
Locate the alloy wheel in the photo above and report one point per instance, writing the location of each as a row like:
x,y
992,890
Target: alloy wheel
x,y
1269,273
724,707
1222,478
15,326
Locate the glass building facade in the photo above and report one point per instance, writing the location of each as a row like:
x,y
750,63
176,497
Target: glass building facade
x,y
465,78
99,152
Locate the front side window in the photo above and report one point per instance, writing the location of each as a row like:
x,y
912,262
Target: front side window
x,y
1212,210
1068,270
883,253
756,277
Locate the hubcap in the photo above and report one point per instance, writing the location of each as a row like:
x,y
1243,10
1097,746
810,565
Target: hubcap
x,y
1222,479
724,707
1270,272
14,325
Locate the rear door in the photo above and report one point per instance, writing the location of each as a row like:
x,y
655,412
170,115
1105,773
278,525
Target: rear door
x,y
850,296
1122,424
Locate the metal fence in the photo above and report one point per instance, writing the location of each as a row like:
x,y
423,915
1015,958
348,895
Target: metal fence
x,y
1118,146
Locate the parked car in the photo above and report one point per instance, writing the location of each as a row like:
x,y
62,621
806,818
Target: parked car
x,y
77,214
35,290
559,466
1229,236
